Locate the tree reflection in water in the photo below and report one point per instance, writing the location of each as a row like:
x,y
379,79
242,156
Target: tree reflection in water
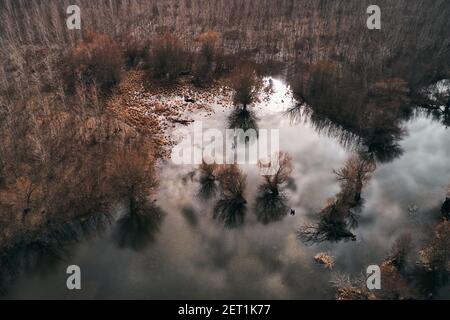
x,y
231,206
435,101
381,141
271,201
208,181
243,118
361,111
137,230
43,251
340,215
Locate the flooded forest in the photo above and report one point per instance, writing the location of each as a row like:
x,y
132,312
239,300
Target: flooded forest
x,y
90,118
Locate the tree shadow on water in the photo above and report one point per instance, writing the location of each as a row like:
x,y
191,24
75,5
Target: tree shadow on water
x,y
341,214
137,230
231,206
208,181
243,118
43,251
271,200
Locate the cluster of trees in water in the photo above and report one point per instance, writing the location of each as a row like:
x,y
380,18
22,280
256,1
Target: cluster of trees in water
x,y
226,185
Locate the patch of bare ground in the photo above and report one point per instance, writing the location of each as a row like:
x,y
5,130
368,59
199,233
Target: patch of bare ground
x,y
157,109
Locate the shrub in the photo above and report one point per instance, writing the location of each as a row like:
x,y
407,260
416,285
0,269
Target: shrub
x,y
97,60
168,58
135,51
246,85
204,65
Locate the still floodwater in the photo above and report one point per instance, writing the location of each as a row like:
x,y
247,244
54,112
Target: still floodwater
x,y
193,256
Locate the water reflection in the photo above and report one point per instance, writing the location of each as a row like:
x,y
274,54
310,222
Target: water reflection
x,y
43,252
231,207
340,215
380,141
243,118
208,181
435,101
137,230
344,105
271,200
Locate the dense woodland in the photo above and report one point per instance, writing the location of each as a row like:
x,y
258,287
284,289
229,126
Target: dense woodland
x,y
64,156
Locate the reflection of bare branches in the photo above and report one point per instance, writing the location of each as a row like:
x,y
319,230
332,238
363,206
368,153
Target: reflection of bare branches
x,y
43,250
327,229
208,186
382,142
271,201
400,252
339,105
244,119
341,214
440,114
295,113
323,125
231,206
136,230
270,204
435,100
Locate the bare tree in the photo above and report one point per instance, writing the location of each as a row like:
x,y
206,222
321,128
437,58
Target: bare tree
x,y
271,201
246,85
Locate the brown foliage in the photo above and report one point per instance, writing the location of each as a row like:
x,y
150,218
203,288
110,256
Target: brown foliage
x,y
246,85
97,60
136,50
62,165
204,64
168,57
435,256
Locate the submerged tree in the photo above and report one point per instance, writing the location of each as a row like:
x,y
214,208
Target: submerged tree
x,y
341,213
246,85
355,174
48,249
271,201
231,206
137,178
